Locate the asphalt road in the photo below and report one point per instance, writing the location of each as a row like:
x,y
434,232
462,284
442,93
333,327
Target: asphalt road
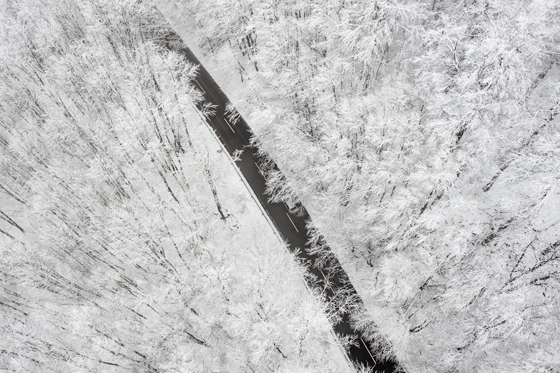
x,y
292,227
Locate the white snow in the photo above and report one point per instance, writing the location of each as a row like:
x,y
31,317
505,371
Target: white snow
x,y
241,201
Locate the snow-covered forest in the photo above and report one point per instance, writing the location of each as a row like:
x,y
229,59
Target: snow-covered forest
x,y
423,136
126,243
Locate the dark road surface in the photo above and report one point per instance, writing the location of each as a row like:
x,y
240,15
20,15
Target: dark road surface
x,y
235,137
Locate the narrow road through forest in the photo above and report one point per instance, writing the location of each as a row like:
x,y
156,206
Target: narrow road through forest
x,y
292,227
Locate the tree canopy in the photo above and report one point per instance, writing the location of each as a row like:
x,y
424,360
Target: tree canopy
x,y
423,138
